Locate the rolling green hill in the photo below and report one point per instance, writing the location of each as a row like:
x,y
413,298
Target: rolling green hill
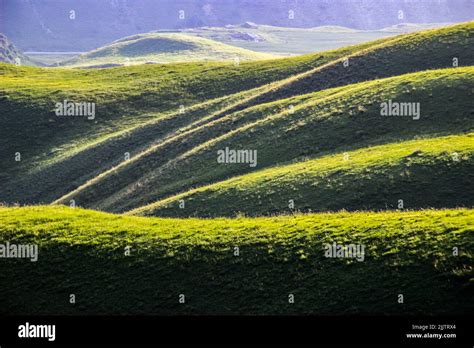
x,y
125,98
82,252
422,173
429,49
277,41
134,102
322,144
162,48
338,119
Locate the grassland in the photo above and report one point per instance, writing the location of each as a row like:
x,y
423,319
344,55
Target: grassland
x,y
322,143
270,40
320,123
81,252
133,100
126,98
163,48
422,173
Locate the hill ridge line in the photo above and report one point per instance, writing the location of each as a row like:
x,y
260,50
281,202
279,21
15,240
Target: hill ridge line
x,y
187,153
268,88
158,170
283,166
341,90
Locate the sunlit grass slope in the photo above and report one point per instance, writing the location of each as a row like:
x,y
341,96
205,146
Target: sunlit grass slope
x,y
424,173
430,49
164,48
125,98
82,253
60,154
339,120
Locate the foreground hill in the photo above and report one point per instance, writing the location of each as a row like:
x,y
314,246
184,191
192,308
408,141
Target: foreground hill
x,y
422,173
82,252
163,48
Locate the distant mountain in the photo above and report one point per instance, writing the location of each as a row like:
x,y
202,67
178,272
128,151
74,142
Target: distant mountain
x,y
9,53
285,41
409,27
52,25
333,28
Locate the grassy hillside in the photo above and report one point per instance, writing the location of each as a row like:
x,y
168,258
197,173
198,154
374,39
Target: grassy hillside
x,y
423,173
127,98
322,143
429,49
339,119
82,253
163,48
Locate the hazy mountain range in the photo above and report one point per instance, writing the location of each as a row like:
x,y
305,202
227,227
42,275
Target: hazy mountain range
x,y
51,25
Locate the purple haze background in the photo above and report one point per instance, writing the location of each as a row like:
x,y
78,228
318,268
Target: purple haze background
x,y
45,25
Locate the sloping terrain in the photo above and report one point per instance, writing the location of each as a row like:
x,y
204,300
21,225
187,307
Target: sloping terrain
x,y
332,120
74,151
321,143
421,173
163,48
125,99
82,252
9,53
277,41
